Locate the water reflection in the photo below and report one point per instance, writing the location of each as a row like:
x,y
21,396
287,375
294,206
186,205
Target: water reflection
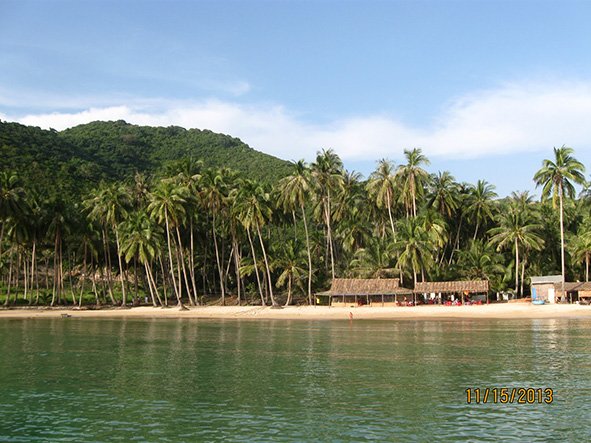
x,y
204,380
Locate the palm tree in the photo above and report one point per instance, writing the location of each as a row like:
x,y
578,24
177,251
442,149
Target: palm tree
x,y
412,179
288,262
213,196
58,226
433,223
23,233
479,261
35,227
579,244
235,232
88,248
191,179
522,201
141,240
254,210
580,249
464,198
415,247
355,230
139,190
327,172
375,260
444,195
167,205
515,230
19,234
480,203
381,187
558,177
294,190
108,205
12,198
350,216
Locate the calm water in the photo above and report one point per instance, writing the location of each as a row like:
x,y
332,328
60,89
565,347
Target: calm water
x,y
195,380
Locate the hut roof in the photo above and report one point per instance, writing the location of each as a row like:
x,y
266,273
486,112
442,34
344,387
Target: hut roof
x,y
549,279
452,286
574,286
366,286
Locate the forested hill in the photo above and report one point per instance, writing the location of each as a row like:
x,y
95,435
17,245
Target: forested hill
x,y
75,159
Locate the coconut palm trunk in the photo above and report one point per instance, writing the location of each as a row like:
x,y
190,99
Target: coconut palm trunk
x,y
1,237
217,258
155,286
84,272
108,264
309,256
150,289
236,264
562,295
256,271
33,260
238,280
55,269
268,269
93,281
9,288
192,261
288,301
25,277
523,263
516,267
329,233
171,270
389,205
184,268
121,274
414,195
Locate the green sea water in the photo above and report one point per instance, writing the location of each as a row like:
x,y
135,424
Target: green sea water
x,y
84,380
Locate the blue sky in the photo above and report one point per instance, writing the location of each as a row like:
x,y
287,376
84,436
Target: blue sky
x,y
485,88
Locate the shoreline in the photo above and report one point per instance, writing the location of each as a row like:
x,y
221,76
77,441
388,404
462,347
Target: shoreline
x,y
423,312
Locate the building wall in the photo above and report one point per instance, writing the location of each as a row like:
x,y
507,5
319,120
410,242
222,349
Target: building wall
x,y
542,290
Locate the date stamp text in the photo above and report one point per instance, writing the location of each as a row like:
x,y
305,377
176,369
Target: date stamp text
x,y
522,396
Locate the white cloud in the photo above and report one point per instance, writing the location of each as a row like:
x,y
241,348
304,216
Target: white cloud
x,y
237,88
512,118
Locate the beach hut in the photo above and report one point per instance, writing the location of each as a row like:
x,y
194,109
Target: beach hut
x,y
582,291
452,288
545,288
352,292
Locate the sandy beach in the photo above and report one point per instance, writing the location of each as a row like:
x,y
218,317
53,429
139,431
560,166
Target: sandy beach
x,y
492,311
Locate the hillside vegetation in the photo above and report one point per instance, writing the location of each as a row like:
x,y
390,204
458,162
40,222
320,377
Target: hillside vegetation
x,y
108,213
76,159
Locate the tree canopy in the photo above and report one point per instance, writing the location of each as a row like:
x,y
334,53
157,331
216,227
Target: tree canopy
x,y
108,213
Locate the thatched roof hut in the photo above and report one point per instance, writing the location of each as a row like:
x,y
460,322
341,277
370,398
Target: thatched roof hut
x,y
366,286
347,291
452,287
549,288
576,286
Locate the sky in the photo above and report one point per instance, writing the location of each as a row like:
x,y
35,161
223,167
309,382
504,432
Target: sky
x,y
485,88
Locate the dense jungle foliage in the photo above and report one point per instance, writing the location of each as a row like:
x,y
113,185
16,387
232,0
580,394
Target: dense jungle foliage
x,y
109,213
77,159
